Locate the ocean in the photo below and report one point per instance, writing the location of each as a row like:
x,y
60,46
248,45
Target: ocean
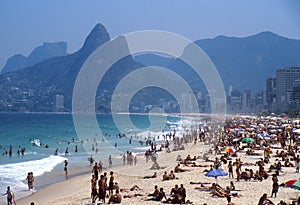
x,y
41,135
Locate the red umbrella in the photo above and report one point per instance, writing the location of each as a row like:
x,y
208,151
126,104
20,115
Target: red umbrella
x,y
290,182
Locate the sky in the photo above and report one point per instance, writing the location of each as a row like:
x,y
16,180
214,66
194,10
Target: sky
x,y
28,24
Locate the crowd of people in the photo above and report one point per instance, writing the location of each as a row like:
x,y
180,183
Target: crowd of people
x,y
270,139
272,147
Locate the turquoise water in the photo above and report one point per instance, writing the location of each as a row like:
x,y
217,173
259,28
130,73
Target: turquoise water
x,y
57,132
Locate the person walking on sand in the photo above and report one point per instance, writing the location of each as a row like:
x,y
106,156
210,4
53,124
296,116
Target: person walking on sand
x,y
30,180
10,196
66,167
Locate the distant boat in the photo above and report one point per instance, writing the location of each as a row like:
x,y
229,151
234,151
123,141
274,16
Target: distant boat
x,y
36,142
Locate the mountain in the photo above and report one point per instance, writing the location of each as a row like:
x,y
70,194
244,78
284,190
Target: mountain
x,y
152,59
244,63
57,75
43,52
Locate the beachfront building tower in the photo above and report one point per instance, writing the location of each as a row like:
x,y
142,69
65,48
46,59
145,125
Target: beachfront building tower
x,y
246,100
286,80
271,90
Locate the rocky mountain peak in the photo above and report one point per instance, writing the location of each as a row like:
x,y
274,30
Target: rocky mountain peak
x,y
96,38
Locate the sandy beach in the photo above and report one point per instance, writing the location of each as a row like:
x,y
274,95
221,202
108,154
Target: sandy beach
x,y
77,190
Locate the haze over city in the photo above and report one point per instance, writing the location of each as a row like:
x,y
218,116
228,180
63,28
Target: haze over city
x,y
27,24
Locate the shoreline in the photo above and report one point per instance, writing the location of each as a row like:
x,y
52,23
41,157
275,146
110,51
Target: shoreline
x,y
126,172
76,190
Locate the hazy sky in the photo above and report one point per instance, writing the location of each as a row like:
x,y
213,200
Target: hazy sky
x,y
27,24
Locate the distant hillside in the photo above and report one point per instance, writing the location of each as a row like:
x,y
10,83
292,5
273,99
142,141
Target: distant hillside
x,y
244,63
151,59
43,52
57,75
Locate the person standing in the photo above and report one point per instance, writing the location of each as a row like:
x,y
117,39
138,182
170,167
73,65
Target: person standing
x,y
217,163
94,193
124,159
135,160
111,183
30,180
10,196
100,165
109,161
67,151
230,169
275,188
238,165
66,167
91,160
96,171
298,164
182,193
102,188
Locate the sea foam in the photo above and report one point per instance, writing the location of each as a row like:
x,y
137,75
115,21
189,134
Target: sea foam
x,y
14,174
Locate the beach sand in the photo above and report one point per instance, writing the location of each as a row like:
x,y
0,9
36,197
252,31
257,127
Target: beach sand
x,y
77,190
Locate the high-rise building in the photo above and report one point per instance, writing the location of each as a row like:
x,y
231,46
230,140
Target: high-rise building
x,y
246,100
271,90
286,79
58,104
296,91
229,90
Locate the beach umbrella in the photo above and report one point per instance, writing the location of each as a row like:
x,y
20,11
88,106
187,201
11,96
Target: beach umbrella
x,y
248,140
229,149
236,140
296,185
290,183
216,173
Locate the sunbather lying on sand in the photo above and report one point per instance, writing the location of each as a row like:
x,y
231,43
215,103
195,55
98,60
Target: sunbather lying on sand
x,y
178,169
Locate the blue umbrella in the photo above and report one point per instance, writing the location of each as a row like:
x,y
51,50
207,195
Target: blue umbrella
x,y
216,173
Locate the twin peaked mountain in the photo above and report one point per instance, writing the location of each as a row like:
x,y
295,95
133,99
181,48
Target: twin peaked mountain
x,y
244,63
